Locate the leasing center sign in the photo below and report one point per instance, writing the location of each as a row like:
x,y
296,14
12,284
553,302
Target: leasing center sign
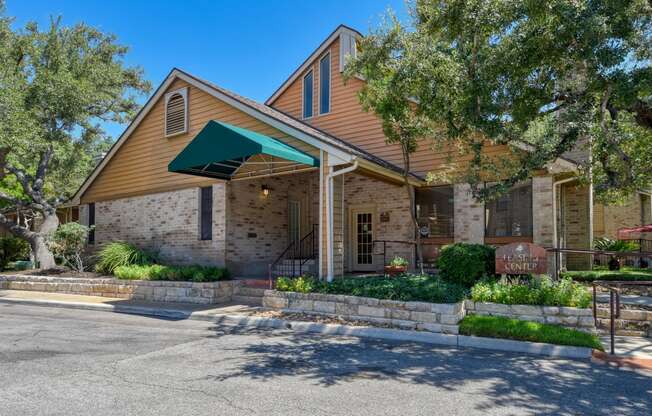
x,y
521,258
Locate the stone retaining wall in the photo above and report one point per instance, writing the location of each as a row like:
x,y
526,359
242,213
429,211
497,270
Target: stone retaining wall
x,y
154,291
424,316
576,318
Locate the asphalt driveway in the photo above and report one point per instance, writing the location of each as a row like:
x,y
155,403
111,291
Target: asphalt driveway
x,y
74,362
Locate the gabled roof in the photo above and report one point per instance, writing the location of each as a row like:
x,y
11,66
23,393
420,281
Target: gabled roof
x,y
317,53
264,113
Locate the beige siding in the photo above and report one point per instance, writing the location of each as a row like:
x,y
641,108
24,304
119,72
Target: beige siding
x,y
140,165
348,121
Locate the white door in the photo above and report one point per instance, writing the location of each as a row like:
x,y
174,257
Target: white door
x,y
362,236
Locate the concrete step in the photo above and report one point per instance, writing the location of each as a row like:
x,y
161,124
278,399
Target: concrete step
x,y
249,291
248,300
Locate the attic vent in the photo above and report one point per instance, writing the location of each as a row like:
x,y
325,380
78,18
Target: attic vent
x,y
176,112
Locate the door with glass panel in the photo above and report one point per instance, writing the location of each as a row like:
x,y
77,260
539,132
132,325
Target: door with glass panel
x,y
362,236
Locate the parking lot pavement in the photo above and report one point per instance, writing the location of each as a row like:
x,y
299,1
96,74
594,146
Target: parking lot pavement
x,y
74,362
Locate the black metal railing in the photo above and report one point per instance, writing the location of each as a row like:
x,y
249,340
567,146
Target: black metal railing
x,y
293,260
614,288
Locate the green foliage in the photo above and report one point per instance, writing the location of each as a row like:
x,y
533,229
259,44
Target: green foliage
x,y
194,273
626,273
607,244
466,263
547,73
409,287
120,253
501,327
301,284
68,243
12,249
398,262
539,291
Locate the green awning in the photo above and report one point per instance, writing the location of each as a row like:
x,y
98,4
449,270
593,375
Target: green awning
x,y
219,149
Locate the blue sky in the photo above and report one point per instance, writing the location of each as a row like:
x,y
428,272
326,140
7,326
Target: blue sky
x,y
248,46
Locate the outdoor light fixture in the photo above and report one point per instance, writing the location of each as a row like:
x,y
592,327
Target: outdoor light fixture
x,y
265,190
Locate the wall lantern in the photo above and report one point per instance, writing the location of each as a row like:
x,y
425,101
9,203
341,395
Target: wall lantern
x,y
265,190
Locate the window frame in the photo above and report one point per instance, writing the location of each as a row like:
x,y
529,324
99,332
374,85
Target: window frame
x,y
310,73
493,239
330,84
451,236
205,235
183,92
91,223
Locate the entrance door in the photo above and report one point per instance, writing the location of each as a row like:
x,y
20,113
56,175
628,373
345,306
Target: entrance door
x,y
294,222
362,235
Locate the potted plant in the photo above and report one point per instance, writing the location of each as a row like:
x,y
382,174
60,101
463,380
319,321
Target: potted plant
x,y
397,266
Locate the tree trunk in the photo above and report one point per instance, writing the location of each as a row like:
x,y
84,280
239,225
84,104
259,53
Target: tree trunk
x,y
413,209
42,254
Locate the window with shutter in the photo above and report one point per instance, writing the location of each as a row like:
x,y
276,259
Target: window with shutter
x,y
176,112
206,213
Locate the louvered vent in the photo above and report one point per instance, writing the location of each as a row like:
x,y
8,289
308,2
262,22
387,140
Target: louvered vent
x,y
175,113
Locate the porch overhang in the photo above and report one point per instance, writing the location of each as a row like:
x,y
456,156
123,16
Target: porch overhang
x,y
220,149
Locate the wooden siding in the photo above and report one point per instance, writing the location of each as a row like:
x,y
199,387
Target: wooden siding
x,y
139,166
347,120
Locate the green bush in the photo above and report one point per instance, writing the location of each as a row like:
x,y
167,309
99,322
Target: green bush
x,y
398,261
68,243
466,263
626,273
403,288
13,249
120,253
539,291
501,327
175,273
607,244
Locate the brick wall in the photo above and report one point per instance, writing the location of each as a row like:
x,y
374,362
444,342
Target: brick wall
x,y
257,225
618,216
166,223
381,198
575,203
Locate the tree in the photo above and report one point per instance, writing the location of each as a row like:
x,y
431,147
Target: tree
x,y
548,77
56,87
68,242
388,93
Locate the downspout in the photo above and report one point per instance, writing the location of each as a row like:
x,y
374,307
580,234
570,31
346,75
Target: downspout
x,y
329,215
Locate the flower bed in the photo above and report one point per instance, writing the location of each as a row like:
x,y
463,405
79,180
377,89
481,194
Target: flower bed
x,y
626,273
542,292
401,288
173,273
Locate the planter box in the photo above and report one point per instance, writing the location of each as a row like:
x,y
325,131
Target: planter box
x,y
146,290
395,270
432,317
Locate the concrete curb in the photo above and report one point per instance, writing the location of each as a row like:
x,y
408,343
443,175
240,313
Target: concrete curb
x,y
556,351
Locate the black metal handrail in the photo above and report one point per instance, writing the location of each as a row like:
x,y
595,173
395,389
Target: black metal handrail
x,y
298,251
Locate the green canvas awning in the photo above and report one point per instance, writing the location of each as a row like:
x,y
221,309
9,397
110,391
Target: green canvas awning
x,y
219,149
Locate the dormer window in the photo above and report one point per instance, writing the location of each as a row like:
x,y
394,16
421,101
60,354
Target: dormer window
x,y
325,84
176,112
307,94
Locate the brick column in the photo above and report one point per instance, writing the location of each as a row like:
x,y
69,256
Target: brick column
x,y
469,216
542,215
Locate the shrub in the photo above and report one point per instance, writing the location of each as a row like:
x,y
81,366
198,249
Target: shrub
x,y
466,263
607,244
13,249
626,273
501,327
301,284
68,243
193,273
541,291
398,262
403,288
120,253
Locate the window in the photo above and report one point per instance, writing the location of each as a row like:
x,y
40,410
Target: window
x,y
511,214
307,95
91,223
176,112
325,84
435,211
206,213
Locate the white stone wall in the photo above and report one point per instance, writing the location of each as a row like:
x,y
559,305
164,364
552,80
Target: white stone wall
x,y
469,216
166,223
